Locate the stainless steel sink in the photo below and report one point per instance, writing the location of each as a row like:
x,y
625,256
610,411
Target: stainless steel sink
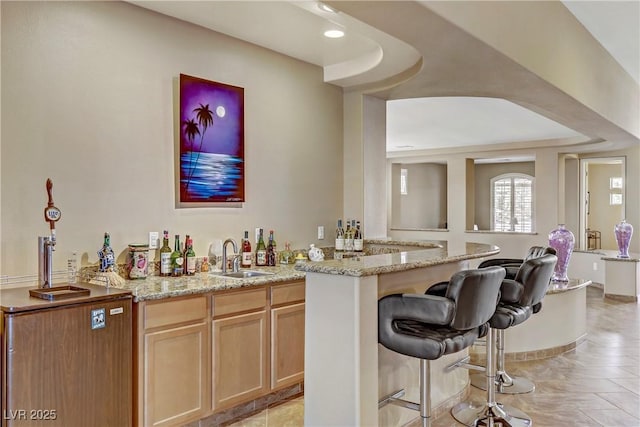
x,y
246,274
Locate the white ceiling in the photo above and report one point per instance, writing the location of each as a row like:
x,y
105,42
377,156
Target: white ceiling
x,y
365,54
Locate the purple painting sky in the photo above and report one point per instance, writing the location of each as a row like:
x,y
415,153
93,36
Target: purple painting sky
x,y
225,135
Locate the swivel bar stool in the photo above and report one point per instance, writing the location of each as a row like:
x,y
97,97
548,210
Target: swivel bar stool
x,y
505,383
428,327
518,297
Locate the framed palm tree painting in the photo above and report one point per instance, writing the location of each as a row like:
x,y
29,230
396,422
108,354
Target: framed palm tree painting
x,y
211,141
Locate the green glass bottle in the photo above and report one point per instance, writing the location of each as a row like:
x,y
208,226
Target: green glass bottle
x,y
177,258
165,256
261,251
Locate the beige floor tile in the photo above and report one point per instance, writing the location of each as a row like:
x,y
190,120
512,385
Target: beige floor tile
x,y
613,417
628,402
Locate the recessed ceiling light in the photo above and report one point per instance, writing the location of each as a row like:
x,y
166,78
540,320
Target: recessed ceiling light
x,y
334,34
325,8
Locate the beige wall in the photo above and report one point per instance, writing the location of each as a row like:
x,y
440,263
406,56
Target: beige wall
x,y
425,204
88,99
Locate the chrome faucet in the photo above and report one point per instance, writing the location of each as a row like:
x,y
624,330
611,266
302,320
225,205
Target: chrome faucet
x,y
236,257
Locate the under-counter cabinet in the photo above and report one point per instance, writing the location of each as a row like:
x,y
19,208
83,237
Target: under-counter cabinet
x,y
287,334
172,369
198,356
240,347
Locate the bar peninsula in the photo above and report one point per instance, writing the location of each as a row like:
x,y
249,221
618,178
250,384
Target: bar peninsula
x,y
346,371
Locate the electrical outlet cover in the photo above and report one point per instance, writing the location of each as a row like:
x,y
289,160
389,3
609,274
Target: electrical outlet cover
x,y
153,239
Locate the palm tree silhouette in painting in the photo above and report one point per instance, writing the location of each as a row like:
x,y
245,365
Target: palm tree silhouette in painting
x,y
205,119
190,130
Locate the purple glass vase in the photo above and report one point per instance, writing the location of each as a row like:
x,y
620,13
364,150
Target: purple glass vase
x,y
562,241
623,232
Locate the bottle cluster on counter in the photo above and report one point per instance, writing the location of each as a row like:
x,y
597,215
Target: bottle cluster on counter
x,y
179,261
350,240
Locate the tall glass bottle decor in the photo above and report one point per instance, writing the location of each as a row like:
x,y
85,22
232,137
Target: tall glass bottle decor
x,y
562,240
623,232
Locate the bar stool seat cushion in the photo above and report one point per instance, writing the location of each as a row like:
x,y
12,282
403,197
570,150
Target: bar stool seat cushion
x,y
430,342
508,315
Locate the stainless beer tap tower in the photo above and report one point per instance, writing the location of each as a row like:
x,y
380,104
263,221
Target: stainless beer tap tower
x,y
47,244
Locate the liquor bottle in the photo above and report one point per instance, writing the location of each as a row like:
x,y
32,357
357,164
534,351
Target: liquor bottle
x,y
261,251
165,255
189,257
246,251
106,255
272,251
339,237
358,241
177,258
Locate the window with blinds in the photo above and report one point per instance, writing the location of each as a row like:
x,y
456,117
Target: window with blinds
x,y
512,203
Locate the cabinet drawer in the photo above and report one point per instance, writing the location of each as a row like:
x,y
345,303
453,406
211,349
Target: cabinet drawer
x,y
286,294
238,302
169,312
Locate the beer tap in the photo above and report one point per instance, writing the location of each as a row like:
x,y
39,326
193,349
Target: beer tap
x,y
47,244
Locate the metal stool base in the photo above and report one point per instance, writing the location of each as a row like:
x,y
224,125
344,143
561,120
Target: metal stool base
x,y
519,385
479,414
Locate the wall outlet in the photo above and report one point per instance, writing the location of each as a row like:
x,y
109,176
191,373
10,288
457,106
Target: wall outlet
x,y
153,239
320,232
595,266
257,234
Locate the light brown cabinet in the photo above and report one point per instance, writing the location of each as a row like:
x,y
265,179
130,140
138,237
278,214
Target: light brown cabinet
x,y
173,368
287,334
196,356
240,347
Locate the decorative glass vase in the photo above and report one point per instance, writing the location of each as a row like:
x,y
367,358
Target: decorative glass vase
x,y
562,240
623,232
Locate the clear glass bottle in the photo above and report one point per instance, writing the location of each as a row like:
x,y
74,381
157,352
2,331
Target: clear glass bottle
x,y
246,251
261,251
339,245
177,258
358,240
286,256
165,255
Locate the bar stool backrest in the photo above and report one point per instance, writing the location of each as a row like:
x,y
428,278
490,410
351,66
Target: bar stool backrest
x,y
476,294
535,276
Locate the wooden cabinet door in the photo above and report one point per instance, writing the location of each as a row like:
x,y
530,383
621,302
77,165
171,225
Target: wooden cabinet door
x,y
240,359
176,375
287,345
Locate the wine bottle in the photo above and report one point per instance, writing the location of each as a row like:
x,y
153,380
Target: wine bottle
x,y
246,251
165,255
348,237
339,237
358,241
177,258
106,255
189,257
271,250
261,251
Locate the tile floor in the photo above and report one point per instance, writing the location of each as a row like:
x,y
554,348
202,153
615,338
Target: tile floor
x,y
596,384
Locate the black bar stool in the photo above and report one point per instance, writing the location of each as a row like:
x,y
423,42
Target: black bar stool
x,y
505,383
428,327
518,297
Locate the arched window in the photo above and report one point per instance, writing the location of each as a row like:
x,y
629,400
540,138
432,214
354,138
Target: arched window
x,y
512,203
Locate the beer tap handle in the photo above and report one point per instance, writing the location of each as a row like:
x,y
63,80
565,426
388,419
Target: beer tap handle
x,y
51,213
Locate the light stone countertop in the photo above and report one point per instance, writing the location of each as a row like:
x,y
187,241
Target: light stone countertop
x,y
571,285
410,255
157,287
425,254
